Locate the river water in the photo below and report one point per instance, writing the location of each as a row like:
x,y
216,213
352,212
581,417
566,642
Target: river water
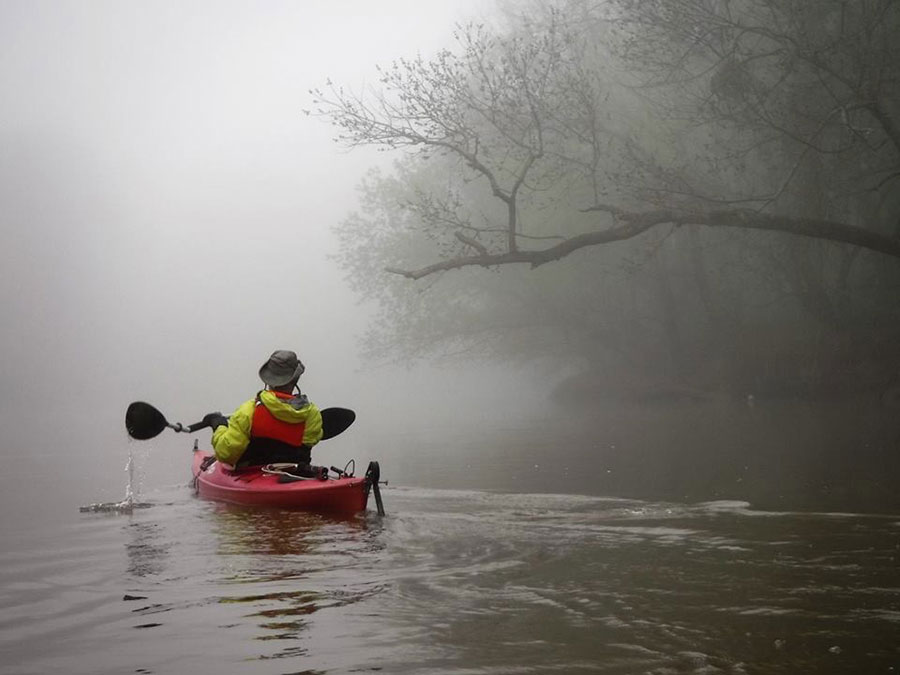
x,y
477,580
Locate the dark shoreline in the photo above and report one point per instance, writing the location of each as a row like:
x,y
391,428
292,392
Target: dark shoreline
x,y
776,455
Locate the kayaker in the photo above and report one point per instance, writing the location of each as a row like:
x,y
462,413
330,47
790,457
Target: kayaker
x,y
277,425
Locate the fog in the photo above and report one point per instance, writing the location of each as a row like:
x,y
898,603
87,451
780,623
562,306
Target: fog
x,y
617,313
171,215
166,211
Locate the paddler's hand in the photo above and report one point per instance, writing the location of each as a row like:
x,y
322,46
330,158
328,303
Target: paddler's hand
x,y
215,419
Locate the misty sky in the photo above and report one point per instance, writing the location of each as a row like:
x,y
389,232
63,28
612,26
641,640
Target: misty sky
x,y
166,206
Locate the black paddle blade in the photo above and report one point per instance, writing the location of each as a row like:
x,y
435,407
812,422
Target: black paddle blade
x,y
143,421
335,420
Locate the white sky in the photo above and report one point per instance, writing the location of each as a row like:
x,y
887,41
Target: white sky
x,y
165,206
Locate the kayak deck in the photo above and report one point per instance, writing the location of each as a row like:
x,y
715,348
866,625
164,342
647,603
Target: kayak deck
x,y
253,486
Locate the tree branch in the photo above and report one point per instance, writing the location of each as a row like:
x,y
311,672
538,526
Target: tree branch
x,y
633,224
472,242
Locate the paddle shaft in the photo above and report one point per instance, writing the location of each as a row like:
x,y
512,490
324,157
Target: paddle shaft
x,y
143,421
189,429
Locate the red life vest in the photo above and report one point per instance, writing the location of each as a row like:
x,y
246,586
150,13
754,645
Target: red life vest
x,y
266,425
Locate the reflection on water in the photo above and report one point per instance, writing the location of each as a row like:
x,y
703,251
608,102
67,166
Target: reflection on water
x,y
254,530
147,548
457,582
287,566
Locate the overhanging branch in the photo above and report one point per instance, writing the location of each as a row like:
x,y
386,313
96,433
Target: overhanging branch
x,y
631,224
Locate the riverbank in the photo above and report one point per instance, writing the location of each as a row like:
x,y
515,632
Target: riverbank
x,y
831,456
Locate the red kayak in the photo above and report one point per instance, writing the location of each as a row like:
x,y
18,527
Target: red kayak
x,y
273,485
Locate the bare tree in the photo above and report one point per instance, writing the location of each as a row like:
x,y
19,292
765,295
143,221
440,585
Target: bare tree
x,y
759,87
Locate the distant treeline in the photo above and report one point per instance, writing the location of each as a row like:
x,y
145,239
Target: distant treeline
x,y
661,199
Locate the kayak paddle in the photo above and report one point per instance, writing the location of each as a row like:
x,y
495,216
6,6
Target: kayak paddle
x,y
143,421
336,421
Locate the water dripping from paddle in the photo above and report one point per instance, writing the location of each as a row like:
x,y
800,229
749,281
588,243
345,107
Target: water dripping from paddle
x,y
132,492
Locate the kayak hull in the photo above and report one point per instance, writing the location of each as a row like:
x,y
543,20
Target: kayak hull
x,y
252,486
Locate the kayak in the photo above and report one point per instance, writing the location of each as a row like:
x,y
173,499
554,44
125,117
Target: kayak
x,y
273,485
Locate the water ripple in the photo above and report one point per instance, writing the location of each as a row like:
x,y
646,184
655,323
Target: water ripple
x,y
454,582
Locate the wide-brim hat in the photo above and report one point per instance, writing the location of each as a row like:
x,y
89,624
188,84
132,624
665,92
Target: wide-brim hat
x,y
281,368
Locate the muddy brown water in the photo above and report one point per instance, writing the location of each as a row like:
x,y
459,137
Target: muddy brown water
x,y
594,550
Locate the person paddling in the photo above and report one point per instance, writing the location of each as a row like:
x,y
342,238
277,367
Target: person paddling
x,y
277,425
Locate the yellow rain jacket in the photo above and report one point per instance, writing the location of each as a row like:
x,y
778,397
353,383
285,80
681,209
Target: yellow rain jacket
x,y
229,442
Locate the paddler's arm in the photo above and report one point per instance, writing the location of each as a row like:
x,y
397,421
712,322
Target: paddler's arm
x,y
229,441
312,432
